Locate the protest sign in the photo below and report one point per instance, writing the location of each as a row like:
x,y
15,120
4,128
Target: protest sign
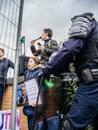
x,y
27,93
5,120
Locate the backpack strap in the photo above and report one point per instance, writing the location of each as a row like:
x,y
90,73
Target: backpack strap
x,y
49,43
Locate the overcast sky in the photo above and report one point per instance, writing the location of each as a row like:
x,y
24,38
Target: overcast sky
x,y
54,14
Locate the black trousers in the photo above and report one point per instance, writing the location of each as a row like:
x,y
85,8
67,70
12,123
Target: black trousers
x,y
1,94
95,123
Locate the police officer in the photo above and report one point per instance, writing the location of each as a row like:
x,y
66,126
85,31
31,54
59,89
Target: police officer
x,y
83,45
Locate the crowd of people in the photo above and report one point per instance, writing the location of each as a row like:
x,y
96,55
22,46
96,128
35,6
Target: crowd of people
x,y
35,65
81,48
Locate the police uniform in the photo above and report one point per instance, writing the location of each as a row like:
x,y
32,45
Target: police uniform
x,y
83,44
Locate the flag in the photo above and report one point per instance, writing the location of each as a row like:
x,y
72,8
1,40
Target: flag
x,y
22,41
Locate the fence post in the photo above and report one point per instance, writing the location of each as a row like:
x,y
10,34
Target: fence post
x,y
18,48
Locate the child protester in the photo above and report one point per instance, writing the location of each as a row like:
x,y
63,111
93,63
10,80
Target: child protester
x,y
33,69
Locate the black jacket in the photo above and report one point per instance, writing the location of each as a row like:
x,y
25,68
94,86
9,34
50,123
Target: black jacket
x,y
4,66
50,47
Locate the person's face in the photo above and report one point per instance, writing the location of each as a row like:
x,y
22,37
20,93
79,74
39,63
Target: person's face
x,y
31,64
44,36
23,91
1,53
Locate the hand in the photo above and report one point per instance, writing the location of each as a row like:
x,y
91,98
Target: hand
x,y
33,104
40,75
32,42
41,47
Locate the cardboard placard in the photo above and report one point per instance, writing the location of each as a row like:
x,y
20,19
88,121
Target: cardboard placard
x,y
27,93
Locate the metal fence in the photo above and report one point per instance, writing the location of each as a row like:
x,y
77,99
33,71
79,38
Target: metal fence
x,y
9,15
11,12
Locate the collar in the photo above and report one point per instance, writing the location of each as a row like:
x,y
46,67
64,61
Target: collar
x,y
47,40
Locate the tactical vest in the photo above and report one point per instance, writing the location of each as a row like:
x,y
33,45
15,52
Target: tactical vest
x,y
88,52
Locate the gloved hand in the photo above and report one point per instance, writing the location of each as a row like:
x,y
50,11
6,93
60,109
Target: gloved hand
x,y
42,75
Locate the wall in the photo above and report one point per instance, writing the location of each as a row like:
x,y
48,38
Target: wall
x,y
51,102
7,101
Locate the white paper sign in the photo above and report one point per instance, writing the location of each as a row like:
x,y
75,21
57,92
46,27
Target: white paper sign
x,y
5,120
32,91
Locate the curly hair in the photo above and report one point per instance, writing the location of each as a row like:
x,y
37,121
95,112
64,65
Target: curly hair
x,y
49,31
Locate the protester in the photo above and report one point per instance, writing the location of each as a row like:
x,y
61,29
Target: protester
x,y
34,68
46,49
4,66
82,44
